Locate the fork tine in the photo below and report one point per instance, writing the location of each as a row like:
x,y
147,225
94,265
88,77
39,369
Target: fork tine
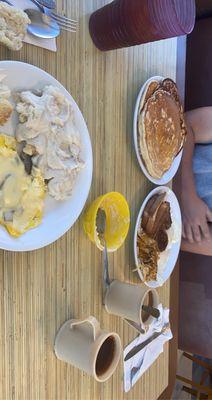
x,y
64,28
67,24
63,18
59,20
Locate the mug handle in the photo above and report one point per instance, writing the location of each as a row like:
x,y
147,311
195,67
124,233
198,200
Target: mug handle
x,y
92,321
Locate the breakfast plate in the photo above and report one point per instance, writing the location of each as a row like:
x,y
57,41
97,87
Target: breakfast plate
x,y
168,175
167,258
59,216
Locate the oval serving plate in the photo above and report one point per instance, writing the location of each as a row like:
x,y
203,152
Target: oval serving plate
x,y
169,257
168,176
59,216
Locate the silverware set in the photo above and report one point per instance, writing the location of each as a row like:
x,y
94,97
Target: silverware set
x,y
48,7
144,344
46,22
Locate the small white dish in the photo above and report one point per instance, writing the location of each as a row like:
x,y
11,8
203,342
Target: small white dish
x,y
59,216
168,257
168,176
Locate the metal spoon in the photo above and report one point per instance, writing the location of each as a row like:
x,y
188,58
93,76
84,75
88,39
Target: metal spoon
x,y
101,226
42,25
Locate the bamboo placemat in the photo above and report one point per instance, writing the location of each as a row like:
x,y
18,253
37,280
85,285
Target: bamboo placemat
x,y
41,289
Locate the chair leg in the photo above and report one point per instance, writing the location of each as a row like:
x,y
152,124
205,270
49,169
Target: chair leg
x,y
204,377
197,361
204,389
193,392
204,396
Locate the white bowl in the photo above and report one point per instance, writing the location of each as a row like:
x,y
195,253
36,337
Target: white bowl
x,y
168,176
168,257
58,216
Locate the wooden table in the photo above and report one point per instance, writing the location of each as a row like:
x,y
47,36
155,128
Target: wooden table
x,y
39,290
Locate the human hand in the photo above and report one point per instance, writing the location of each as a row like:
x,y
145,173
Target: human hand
x,y
196,216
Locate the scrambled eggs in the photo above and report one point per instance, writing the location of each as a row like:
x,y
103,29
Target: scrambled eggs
x,y
21,195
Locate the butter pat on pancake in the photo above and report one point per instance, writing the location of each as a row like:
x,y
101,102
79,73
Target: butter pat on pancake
x,y
21,195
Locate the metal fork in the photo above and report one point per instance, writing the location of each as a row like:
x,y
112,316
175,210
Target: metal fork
x,y
62,20
6,1
65,23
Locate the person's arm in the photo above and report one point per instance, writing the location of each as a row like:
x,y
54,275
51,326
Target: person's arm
x,y
194,210
204,247
188,183
201,121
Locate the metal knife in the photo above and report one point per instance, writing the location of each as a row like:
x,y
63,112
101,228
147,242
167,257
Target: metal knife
x,y
141,346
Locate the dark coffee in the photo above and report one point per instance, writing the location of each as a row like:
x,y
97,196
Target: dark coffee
x,y
148,301
105,356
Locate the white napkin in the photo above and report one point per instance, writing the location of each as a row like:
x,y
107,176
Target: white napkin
x,y
145,358
49,44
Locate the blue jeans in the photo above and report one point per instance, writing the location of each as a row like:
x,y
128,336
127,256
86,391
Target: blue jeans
x,y
202,167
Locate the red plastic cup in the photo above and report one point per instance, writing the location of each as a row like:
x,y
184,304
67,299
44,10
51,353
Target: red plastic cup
x,y
125,23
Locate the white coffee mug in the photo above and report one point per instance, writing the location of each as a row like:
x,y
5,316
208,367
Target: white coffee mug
x,y
86,346
126,300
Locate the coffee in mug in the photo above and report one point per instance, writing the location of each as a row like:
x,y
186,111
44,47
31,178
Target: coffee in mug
x,y
126,300
86,346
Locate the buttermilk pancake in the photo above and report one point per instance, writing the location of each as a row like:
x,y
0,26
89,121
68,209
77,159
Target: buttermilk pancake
x,y
149,91
161,128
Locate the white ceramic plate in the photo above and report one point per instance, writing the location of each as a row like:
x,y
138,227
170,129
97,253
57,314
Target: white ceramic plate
x,y
58,216
168,257
168,176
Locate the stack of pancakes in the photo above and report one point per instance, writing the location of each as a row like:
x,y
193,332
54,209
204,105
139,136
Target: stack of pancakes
x,y
161,127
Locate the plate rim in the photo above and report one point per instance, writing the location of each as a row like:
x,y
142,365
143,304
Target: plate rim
x,y
45,242
173,169
154,284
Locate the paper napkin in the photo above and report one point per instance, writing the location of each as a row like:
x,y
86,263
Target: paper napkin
x,y
49,44
135,367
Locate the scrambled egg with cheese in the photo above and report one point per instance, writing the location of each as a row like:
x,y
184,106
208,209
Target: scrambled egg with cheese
x,y
21,195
